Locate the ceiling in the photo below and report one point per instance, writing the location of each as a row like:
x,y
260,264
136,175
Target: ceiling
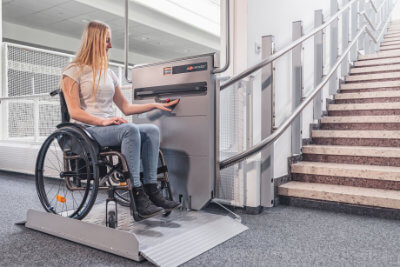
x,y
68,18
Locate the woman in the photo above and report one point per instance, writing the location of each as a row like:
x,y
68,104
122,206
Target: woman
x,y
89,88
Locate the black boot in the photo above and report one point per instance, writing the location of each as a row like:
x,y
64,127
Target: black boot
x,y
158,199
144,206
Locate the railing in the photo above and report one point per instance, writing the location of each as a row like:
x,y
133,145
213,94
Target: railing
x,y
27,112
281,129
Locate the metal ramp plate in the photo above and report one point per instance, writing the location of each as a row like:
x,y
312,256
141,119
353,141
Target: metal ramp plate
x,y
164,241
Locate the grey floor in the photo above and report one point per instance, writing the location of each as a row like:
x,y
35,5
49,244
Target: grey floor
x,y
282,236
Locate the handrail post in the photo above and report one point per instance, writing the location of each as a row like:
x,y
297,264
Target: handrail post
x,y
297,85
354,10
361,40
333,47
318,62
345,40
267,123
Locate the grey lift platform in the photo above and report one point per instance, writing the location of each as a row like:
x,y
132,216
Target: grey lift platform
x,y
164,241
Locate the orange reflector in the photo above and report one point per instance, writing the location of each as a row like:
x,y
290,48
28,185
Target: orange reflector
x,y
122,183
61,199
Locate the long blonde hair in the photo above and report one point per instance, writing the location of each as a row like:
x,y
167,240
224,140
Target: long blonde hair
x,y
92,51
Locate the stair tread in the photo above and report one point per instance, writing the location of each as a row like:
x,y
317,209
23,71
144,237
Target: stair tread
x,y
394,67
364,106
347,170
364,95
342,193
375,134
366,151
369,85
377,76
381,54
383,61
361,119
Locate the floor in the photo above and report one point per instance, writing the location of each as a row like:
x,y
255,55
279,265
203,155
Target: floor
x,y
280,236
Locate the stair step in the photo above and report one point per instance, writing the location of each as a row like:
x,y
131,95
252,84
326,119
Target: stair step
x,y
360,123
377,76
391,35
368,97
382,54
386,43
390,47
365,155
392,39
377,62
386,138
370,85
356,134
361,119
377,173
364,109
344,194
364,106
375,69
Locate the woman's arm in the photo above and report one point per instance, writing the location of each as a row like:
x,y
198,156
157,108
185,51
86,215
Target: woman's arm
x,y
129,109
71,94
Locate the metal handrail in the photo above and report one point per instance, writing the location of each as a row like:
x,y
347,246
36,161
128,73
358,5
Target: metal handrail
x,y
227,40
373,6
283,51
280,130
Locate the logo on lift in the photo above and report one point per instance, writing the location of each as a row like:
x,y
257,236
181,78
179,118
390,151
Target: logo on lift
x,y
167,71
189,68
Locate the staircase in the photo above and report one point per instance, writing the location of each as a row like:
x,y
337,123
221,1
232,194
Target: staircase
x,y
353,162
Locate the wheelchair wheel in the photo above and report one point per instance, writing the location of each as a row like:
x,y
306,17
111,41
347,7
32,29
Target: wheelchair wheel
x,y
67,174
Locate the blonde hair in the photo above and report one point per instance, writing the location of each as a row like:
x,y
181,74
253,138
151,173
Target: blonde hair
x,y
92,51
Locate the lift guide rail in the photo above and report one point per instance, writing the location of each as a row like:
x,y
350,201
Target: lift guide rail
x,y
164,241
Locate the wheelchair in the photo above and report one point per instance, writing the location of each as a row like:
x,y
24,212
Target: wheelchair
x,y
71,168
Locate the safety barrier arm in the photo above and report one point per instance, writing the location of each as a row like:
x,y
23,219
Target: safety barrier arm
x,y
227,40
280,130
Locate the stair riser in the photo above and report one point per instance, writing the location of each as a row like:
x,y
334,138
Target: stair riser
x,y
367,100
348,181
369,90
357,142
360,126
379,161
364,112
374,80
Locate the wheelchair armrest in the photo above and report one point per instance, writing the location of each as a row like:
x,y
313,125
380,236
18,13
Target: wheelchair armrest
x,y
76,125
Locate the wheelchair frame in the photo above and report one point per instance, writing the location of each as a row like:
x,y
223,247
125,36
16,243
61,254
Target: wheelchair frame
x,y
107,174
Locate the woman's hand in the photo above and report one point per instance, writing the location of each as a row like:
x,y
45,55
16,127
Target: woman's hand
x,y
114,120
164,106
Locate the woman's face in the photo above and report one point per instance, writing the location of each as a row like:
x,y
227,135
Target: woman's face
x,y
108,41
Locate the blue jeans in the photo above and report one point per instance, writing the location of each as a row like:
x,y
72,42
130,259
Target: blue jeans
x,y
135,140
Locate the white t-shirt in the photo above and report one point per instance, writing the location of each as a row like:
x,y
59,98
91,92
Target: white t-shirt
x,y
101,106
